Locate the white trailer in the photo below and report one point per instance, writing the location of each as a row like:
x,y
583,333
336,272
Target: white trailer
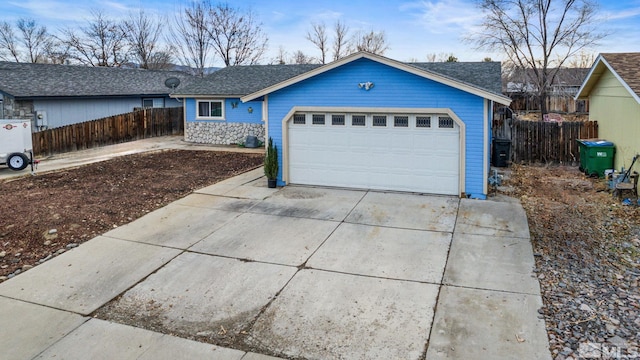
x,y
16,147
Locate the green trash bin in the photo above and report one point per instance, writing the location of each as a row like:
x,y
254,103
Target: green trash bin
x,y
596,156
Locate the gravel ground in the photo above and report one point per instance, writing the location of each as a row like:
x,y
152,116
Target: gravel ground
x,y
587,251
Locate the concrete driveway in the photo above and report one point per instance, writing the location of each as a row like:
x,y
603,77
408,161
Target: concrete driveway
x,y
297,272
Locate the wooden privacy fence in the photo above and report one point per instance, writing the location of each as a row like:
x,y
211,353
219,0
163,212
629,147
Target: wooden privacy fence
x,y
538,141
115,129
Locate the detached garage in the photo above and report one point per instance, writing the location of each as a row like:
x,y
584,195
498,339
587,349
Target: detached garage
x,y
365,121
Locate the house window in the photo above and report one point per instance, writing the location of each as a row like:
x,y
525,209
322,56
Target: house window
x,y
379,120
401,121
423,121
147,103
317,119
445,122
358,120
210,109
337,119
299,119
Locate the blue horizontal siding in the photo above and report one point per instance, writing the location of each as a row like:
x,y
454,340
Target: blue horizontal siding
x,y
61,112
240,114
392,88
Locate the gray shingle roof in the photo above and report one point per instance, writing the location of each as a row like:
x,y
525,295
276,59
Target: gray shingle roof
x,y
485,75
244,80
25,80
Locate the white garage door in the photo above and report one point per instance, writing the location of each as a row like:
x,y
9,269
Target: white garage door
x,y
404,152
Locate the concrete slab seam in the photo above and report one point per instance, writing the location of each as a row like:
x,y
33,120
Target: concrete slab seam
x,y
92,314
487,289
86,318
495,235
370,276
250,326
437,301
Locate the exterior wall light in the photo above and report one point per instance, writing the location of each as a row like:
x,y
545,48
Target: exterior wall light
x,y
250,110
365,85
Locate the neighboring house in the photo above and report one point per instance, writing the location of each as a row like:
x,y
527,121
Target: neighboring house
x,y
613,89
521,88
59,95
364,121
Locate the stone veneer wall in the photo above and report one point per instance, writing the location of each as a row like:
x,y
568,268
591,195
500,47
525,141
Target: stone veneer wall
x,y
222,133
17,109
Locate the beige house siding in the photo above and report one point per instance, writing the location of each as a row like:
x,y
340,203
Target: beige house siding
x,y
618,116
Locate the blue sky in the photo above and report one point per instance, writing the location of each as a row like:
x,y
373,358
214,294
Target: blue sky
x,y
414,29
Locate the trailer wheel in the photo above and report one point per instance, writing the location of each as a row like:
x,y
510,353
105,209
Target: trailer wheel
x,y
17,161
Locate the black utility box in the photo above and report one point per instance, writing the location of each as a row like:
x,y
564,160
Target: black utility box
x,y
501,153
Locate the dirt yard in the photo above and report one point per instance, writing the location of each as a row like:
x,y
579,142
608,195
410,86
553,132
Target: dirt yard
x,y
44,215
587,257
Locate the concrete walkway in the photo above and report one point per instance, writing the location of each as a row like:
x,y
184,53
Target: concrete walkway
x,y
295,272
88,156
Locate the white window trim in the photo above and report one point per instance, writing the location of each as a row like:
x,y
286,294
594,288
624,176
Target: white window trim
x,y
198,117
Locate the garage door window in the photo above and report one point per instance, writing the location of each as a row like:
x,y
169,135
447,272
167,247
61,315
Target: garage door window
x,y
337,119
358,120
401,121
299,119
379,120
423,121
445,122
317,119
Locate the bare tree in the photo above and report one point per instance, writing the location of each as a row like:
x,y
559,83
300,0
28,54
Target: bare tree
x,y
441,57
340,40
538,34
281,56
373,42
30,43
318,36
582,60
191,37
35,39
8,43
100,43
236,35
142,33
57,52
301,58
451,58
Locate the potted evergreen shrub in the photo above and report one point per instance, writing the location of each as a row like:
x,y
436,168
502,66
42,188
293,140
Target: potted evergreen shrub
x,y
271,164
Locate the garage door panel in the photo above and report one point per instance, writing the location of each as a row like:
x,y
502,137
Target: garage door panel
x,y
383,158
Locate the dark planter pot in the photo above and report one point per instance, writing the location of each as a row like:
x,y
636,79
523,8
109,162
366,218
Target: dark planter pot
x,y
271,183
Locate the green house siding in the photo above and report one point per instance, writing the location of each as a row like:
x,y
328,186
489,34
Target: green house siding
x,y
618,116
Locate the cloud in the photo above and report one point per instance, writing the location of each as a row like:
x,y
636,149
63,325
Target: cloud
x,y
49,12
443,16
621,14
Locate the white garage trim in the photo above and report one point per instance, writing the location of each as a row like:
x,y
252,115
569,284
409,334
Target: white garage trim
x,y
367,110
485,144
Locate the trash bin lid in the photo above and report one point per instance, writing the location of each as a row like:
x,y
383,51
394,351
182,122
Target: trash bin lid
x,y
599,143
